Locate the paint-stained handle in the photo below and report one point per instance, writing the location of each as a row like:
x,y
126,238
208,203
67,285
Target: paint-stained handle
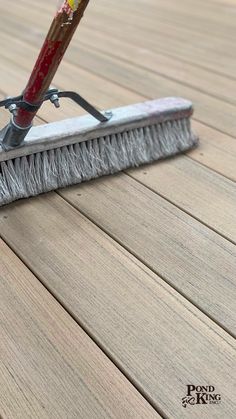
x,y
64,24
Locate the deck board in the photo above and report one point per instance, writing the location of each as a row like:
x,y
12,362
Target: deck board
x,y
195,260
144,263
214,144
148,84
216,150
141,322
49,367
209,197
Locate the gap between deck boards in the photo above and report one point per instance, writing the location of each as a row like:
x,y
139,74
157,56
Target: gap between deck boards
x,y
111,283
48,335
101,224
208,154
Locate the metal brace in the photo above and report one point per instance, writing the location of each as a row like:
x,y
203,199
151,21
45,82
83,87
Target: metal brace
x,y
12,136
14,103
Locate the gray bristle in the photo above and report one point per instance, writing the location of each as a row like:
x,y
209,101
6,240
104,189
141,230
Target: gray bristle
x,y
49,170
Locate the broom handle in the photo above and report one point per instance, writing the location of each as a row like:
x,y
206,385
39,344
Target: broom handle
x,y
62,29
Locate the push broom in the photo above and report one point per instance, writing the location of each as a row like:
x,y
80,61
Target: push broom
x,y
39,159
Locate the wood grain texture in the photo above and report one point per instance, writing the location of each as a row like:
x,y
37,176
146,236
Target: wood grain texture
x,y
217,150
202,79
187,254
154,334
140,80
209,197
190,45
151,85
208,109
122,55
14,69
171,19
49,368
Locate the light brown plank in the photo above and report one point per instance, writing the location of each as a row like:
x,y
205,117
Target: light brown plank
x,y
208,109
152,332
144,17
202,79
15,77
49,368
15,68
207,196
203,54
216,150
167,66
148,26
192,258
73,239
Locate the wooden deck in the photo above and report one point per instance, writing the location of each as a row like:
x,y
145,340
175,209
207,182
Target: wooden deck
x,y
118,293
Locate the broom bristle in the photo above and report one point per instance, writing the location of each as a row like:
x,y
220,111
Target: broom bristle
x,y
44,171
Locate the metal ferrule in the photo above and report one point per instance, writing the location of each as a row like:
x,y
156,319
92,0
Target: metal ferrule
x,y
12,136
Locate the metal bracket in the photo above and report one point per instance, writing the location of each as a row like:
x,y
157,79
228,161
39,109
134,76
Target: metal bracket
x,y
12,136
14,103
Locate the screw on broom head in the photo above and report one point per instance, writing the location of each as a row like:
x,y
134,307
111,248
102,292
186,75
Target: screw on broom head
x,y
12,135
79,149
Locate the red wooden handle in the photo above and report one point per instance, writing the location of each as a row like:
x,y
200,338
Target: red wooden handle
x,y
58,39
